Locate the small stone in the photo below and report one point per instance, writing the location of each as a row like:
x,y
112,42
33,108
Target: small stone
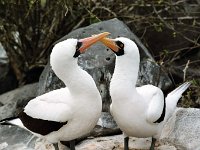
x,y
3,145
166,147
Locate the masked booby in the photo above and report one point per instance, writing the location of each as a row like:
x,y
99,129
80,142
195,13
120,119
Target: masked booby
x,y
138,111
67,113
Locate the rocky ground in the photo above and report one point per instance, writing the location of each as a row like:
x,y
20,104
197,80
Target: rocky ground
x,y
181,132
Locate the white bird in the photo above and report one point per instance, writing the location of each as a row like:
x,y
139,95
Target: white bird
x,y
67,113
138,111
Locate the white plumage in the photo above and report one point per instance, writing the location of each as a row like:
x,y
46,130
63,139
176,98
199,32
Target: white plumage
x,y
138,111
57,103
78,106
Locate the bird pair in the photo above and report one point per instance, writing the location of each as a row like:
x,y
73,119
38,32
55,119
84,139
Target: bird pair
x,y
71,112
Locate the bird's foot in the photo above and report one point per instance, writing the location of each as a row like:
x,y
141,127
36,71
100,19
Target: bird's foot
x,y
63,147
56,146
72,145
126,140
152,144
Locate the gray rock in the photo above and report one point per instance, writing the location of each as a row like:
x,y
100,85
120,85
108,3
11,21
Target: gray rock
x,y
99,61
11,103
182,129
4,63
14,138
3,55
151,73
7,78
107,120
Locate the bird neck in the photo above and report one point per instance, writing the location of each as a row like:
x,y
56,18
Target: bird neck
x,y
126,69
76,79
125,76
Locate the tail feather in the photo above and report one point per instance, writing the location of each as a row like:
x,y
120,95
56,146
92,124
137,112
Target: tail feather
x,y
173,97
179,90
11,121
7,119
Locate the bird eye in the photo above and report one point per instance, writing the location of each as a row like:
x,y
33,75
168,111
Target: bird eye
x,y
120,44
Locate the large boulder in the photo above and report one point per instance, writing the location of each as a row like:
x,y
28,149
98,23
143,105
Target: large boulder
x,y
12,102
99,62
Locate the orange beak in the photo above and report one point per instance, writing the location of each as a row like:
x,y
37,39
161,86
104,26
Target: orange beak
x,y
110,43
87,42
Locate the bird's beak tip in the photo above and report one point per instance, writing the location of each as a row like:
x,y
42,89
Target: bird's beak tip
x,y
89,41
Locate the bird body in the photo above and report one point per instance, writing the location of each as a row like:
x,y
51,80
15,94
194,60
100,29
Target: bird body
x,y
60,106
139,111
67,113
131,113
78,106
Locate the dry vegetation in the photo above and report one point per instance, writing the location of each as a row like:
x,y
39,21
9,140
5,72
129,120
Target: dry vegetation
x,y
170,29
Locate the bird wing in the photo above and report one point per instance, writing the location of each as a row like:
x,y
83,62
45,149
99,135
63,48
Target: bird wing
x,y
154,98
53,106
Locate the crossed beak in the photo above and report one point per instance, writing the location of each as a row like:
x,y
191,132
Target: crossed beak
x,y
89,41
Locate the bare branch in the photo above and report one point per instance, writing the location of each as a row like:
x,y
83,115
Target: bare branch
x,y
185,70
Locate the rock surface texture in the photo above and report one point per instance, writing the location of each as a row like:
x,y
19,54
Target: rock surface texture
x,y
182,129
11,103
7,78
99,62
